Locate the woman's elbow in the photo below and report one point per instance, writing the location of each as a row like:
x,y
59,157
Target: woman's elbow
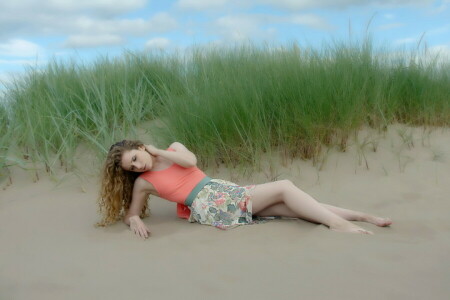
x,y
188,161
191,162
194,161
188,165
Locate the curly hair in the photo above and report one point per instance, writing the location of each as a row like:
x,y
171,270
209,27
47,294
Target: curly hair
x,y
117,185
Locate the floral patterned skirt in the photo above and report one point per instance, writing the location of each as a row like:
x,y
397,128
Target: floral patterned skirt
x,y
223,204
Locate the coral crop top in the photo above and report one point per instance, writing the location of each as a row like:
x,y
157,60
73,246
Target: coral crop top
x,y
175,184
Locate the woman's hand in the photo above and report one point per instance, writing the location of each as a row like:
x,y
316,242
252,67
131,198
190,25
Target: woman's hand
x,y
152,150
138,227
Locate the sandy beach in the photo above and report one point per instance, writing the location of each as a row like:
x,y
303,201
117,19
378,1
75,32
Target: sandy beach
x,y
50,248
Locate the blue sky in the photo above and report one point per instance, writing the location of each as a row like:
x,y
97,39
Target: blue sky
x,y
32,32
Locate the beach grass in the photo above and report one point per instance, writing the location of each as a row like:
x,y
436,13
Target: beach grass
x,y
56,108
3,140
248,100
227,104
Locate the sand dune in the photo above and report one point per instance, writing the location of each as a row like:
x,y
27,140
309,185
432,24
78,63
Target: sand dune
x,y
51,250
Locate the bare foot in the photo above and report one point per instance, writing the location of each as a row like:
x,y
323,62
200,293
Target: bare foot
x,y
381,222
349,227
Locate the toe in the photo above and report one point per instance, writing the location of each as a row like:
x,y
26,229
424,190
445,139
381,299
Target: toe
x,y
386,222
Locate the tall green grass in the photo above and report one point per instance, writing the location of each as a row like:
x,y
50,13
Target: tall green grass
x,y
3,140
225,104
246,100
56,108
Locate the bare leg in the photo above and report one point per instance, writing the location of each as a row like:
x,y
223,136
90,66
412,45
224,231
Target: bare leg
x,y
353,215
280,209
302,204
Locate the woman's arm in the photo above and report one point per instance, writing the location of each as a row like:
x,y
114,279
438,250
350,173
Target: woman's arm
x,y
182,156
141,191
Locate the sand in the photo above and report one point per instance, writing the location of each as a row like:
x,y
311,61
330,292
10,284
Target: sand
x,y
49,248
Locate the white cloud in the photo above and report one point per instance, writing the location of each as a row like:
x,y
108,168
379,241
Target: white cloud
x,y
439,30
390,26
103,7
205,5
239,27
271,33
254,26
86,41
18,62
94,33
406,41
422,38
296,4
79,18
19,48
339,4
444,5
201,4
311,21
161,22
157,43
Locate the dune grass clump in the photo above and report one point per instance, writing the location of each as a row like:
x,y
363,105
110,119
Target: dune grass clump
x,y
3,139
246,100
228,104
65,103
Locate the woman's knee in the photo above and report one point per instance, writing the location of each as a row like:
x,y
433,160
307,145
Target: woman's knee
x,y
286,187
286,184
282,186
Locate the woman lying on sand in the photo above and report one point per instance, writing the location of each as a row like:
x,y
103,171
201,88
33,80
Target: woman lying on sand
x,y
133,171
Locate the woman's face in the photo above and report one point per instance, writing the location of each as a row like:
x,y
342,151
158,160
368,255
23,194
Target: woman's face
x,y
137,160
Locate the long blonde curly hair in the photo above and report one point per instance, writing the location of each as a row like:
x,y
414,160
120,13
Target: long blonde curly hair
x,y
117,185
